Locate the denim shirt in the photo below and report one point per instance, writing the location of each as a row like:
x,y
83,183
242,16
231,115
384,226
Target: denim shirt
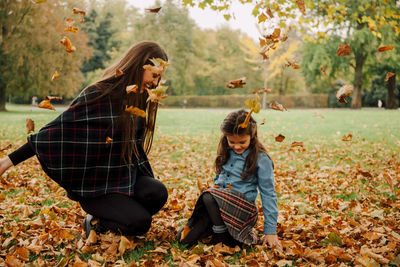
x,y
264,180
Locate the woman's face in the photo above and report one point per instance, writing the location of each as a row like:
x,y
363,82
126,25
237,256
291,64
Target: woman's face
x,y
151,77
239,143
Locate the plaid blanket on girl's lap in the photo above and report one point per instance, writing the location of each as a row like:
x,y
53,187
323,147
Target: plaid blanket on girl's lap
x,y
72,149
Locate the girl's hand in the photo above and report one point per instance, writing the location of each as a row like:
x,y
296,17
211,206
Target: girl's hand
x,y
272,241
5,163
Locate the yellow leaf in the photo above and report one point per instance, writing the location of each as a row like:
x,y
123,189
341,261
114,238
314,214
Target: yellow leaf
x,y
136,111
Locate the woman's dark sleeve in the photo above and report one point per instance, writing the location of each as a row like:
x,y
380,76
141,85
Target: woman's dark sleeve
x,y
21,154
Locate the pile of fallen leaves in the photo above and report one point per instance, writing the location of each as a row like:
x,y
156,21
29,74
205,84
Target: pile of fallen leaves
x,y
338,205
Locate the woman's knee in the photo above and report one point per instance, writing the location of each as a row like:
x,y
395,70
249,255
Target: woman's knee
x,y
138,227
208,199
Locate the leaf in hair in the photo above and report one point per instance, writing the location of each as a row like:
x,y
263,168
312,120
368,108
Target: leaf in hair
x,y
131,88
156,95
136,111
118,72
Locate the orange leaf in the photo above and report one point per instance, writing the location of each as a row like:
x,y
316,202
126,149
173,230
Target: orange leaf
x,y
343,50
349,137
108,140
262,17
237,83
131,88
69,22
5,148
71,29
246,121
153,10
51,98
136,111
68,46
277,106
344,91
55,76
295,144
79,11
385,48
302,7
322,69
118,72
46,104
229,186
30,126
22,253
262,90
293,64
269,12
279,138
12,261
388,75
185,232
262,122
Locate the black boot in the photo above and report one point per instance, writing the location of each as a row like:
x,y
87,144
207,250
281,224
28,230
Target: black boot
x,y
224,238
91,223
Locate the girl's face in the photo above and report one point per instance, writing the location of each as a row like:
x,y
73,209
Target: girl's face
x,y
239,143
150,78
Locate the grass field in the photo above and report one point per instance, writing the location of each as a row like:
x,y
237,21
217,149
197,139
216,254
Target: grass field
x,y
339,201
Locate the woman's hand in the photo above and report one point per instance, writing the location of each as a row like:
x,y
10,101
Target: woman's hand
x,y
5,163
272,241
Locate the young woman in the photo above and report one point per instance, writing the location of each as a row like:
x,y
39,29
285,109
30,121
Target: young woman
x,y
96,150
227,211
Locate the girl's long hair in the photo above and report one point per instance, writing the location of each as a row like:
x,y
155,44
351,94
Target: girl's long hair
x,y
131,64
230,126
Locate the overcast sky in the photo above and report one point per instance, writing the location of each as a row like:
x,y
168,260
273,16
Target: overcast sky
x,y
208,18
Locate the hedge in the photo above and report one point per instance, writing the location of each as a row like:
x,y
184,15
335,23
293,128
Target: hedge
x,y
237,101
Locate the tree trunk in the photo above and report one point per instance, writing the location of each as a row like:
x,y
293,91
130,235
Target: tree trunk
x,y
2,82
391,96
358,71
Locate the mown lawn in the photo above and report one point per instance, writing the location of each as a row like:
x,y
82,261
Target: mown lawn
x,y
339,201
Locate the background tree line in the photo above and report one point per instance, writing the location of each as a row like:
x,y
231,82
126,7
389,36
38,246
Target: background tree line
x,y
201,61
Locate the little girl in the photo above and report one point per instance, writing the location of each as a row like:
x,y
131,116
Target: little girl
x,y
227,211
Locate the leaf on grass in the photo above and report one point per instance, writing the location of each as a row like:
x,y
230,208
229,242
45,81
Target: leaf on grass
x,y
124,244
46,104
388,75
131,88
349,137
277,106
136,111
55,76
22,253
279,138
345,90
5,148
12,261
301,6
185,232
30,126
67,44
108,140
333,239
322,69
262,90
92,238
239,83
64,261
295,144
343,50
385,48
153,10
118,72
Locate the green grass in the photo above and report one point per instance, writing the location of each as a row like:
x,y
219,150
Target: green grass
x,y
297,124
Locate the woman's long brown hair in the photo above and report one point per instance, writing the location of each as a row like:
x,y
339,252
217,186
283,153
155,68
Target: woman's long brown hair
x,y
131,64
230,126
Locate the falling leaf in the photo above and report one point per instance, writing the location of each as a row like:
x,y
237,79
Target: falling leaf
x,y
159,63
53,98
108,140
322,69
55,76
296,144
277,106
185,232
71,29
293,64
345,90
349,137
343,50
239,83
153,10
79,11
136,111
269,12
46,104
262,17
302,7
262,90
69,22
385,48
279,138
67,44
388,75
318,115
30,126
262,122
118,72
157,94
253,104
131,88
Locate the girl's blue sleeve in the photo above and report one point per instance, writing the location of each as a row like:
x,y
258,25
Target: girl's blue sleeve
x,y
216,178
266,186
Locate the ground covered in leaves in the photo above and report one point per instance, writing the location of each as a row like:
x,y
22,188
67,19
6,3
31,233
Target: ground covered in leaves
x,y
339,205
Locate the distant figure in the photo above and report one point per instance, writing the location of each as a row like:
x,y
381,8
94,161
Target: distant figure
x,y
34,100
184,103
379,103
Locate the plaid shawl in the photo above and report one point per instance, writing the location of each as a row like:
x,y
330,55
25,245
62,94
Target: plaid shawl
x,y
72,149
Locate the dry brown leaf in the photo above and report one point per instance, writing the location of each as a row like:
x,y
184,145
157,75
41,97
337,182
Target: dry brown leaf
x,y
79,11
108,140
131,88
185,232
92,238
118,73
385,48
22,253
30,126
277,106
239,83
296,144
46,104
323,70
153,10
124,244
349,137
136,111
12,261
293,64
279,138
53,98
67,44
5,148
262,90
388,75
301,6
55,76
345,90
261,18
269,12
262,122
343,50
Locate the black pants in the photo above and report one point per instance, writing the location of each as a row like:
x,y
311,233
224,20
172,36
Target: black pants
x,y
128,215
